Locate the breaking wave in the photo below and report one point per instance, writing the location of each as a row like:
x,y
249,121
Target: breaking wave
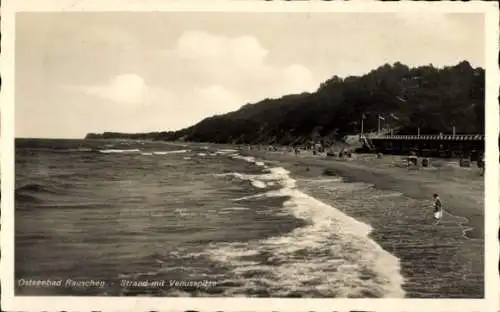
x,y
331,256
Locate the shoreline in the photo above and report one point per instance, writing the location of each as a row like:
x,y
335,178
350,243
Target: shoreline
x,y
432,258
417,184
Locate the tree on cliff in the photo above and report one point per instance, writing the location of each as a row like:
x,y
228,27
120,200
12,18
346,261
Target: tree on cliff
x,y
431,99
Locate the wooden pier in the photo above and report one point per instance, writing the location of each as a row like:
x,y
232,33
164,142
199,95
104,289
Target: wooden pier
x,y
444,145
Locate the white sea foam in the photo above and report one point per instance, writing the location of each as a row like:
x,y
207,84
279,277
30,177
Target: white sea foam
x,y
258,181
228,174
392,194
258,184
234,209
137,275
119,151
246,158
226,151
81,149
171,152
331,256
256,196
323,181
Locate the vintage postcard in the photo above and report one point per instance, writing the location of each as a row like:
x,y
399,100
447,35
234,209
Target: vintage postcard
x,y
249,156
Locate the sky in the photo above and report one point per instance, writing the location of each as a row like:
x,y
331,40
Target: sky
x,y
80,72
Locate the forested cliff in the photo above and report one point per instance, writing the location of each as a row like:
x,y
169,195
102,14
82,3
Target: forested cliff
x,y
402,98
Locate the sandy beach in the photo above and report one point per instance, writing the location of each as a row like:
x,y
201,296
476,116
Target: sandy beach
x,y
443,261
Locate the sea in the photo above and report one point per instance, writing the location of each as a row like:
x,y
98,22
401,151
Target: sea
x,y
145,218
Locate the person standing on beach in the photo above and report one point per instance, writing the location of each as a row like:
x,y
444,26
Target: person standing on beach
x,y
438,209
481,165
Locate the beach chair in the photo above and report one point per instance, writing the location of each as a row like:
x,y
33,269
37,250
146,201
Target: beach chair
x,y
426,162
464,162
412,160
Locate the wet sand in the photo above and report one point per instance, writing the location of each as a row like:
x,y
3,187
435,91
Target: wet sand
x,y
460,189
435,261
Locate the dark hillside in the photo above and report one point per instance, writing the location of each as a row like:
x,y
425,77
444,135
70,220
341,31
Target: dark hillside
x,y
429,98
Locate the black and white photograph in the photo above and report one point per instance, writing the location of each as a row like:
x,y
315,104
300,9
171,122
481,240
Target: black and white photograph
x,y
294,154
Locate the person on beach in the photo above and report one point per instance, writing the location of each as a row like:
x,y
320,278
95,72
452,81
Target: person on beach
x,y
481,165
438,209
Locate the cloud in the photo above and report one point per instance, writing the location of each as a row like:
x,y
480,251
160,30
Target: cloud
x,y
219,99
210,74
238,64
124,89
298,78
203,74
432,25
240,52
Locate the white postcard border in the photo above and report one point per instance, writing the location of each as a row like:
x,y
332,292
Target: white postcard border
x,y
73,303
